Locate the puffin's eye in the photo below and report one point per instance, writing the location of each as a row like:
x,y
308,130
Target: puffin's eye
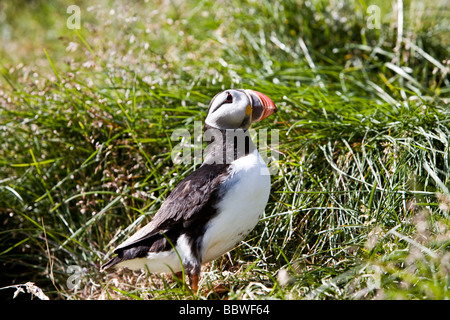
x,y
229,98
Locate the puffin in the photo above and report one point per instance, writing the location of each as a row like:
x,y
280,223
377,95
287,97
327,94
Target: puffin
x,y
215,207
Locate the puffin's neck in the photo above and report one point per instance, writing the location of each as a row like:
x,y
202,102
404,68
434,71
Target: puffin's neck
x,y
226,145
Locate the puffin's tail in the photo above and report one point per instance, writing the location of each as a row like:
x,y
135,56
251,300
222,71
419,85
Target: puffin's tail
x,y
110,263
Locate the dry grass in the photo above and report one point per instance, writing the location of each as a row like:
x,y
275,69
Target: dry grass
x,y
359,208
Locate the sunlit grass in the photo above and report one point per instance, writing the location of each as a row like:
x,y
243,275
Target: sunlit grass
x,y
359,207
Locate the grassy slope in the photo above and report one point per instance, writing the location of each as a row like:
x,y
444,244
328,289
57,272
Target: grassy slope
x,y
359,208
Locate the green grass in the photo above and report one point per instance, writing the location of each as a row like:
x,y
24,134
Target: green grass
x,y
359,208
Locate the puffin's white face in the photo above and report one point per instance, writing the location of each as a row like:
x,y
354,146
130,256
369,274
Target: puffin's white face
x,y
238,109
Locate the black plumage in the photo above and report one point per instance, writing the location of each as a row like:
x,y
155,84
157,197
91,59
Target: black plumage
x,y
214,207
186,210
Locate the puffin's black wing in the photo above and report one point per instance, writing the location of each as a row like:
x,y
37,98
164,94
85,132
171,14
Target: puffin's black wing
x,y
190,201
190,204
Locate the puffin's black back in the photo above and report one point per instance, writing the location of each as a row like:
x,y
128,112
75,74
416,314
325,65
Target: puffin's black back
x,y
186,210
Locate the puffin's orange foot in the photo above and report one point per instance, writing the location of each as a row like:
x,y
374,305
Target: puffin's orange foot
x,y
194,282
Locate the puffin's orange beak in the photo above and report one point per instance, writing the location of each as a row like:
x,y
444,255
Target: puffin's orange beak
x,y
262,105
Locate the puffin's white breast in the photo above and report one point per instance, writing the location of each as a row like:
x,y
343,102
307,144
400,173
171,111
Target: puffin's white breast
x,y
246,192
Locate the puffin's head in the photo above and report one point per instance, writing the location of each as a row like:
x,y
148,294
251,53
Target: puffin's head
x,y
238,109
